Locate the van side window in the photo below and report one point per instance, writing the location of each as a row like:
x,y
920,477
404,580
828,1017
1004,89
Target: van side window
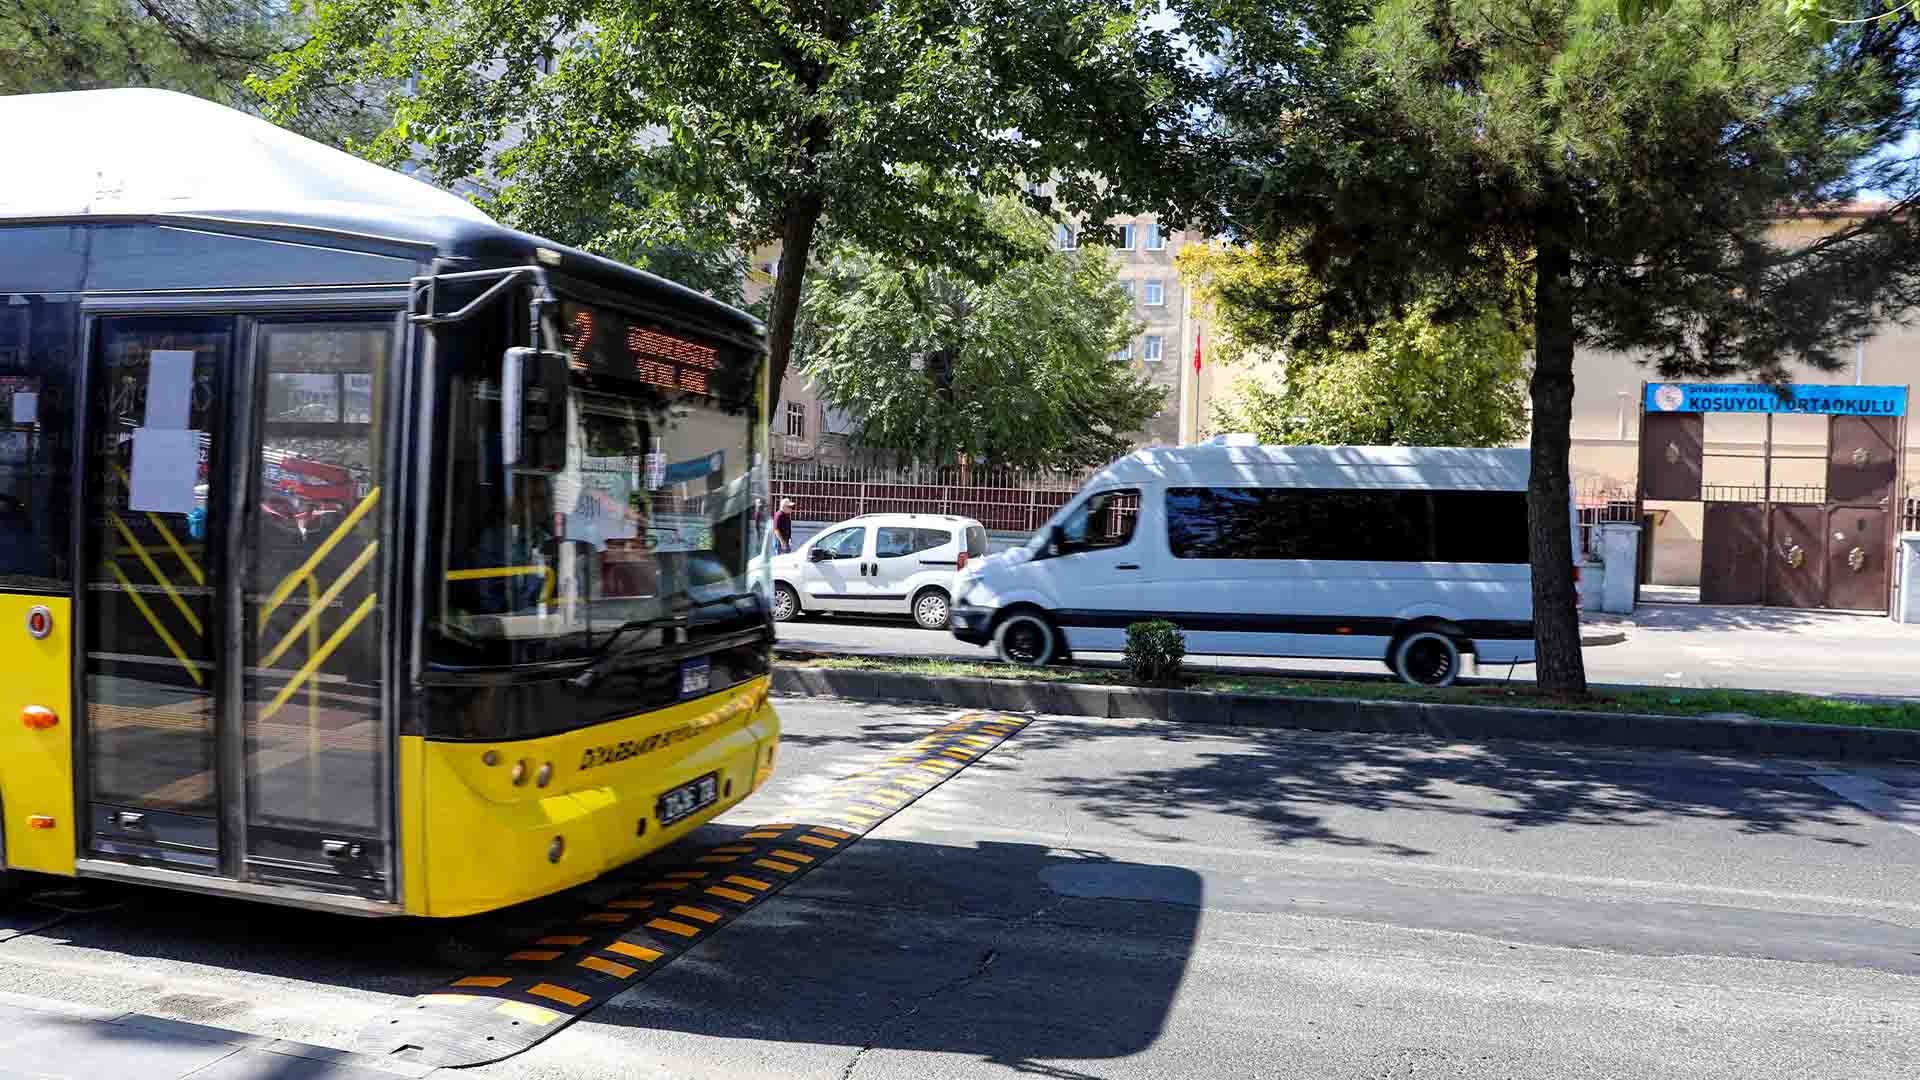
x,y
1104,521
1347,525
896,541
845,544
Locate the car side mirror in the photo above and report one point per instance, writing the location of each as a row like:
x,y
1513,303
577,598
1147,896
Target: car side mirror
x,y
820,555
1056,541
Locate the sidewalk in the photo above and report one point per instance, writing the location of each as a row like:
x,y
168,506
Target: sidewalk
x,y
53,1040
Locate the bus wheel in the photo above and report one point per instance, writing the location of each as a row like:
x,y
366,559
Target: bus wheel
x,y
1027,639
786,603
1426,658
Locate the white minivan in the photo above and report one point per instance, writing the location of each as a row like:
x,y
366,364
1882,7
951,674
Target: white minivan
x,y
1409,555
879,564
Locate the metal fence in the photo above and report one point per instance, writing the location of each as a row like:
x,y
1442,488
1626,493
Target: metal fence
x,y
1003,500
1599,504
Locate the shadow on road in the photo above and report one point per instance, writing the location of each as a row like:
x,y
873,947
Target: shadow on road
x,y
1293,783
892,944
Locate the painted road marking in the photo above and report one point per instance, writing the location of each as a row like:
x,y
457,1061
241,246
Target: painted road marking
x,y
638,952
560,977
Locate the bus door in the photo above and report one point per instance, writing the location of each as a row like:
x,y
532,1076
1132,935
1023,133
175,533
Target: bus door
x,y
236,724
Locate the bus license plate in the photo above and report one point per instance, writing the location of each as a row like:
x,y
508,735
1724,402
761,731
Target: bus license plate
x,y
695,677
688,798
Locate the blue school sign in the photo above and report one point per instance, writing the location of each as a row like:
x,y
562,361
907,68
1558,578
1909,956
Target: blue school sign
x,y
1805,398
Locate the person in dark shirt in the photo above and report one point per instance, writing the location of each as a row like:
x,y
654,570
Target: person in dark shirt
x,y
783,528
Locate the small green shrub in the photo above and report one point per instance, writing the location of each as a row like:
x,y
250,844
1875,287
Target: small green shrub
x,y
1155,652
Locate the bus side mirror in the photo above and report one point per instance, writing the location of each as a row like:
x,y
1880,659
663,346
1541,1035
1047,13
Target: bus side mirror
x,y
533,411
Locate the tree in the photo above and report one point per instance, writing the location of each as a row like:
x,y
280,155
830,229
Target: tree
x,y
1018,368
208,48
1412,148
1411,381
874,122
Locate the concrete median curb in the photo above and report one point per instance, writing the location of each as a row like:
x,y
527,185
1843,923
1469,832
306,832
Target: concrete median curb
x,y
1468,723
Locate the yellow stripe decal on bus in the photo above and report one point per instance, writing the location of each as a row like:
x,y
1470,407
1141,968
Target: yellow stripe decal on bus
x,y
314,609
186,560
154,621
159,576
292,581
320,657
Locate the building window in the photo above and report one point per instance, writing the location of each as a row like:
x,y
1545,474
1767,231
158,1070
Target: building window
x,y
796,420
1156,293
1064,237
1123,354
1155,241
1129,236
1150,351
1127,287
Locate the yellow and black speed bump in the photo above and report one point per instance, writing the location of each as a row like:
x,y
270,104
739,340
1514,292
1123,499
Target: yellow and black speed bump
x,y
569,971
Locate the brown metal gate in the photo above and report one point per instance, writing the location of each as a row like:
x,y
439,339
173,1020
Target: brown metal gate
x,y
1858,539
1733,554
1671,449
1863,461
1797,557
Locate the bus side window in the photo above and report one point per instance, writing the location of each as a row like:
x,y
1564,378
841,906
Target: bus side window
x,y
39,340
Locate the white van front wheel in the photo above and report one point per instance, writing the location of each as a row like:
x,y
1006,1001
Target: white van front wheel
x,y
1027,639
1426,658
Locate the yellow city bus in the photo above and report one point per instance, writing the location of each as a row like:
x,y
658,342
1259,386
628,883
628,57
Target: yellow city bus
x,y
356,552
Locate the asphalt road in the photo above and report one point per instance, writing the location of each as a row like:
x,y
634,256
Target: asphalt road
x,y
1666,645
1129,900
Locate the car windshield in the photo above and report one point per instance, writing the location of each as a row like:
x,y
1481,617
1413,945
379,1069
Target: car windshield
x,y
650,524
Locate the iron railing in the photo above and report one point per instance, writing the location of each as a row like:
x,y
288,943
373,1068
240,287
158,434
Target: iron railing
x,y
1003,500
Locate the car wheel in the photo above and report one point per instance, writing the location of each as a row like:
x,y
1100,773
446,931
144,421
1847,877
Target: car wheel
x,y
786,603
1426,658
1027,639
931,610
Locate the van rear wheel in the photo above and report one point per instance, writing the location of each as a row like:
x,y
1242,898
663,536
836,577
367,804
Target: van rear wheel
x,y
1027,639
931,609
1426,658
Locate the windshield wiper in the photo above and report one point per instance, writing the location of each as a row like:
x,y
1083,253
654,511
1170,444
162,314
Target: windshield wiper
x,y
604,656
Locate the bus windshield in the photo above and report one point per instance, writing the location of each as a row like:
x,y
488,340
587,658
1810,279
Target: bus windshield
x,y
643,538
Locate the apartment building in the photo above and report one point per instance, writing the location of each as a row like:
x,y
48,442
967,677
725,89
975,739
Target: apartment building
x,y
1162,349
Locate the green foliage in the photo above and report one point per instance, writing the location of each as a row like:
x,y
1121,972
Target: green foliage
x,y
1156,652
1417,150
208,48
867,122
1017,367
1411,380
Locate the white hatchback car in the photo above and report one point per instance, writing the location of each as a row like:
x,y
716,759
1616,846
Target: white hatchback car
x,y
879,564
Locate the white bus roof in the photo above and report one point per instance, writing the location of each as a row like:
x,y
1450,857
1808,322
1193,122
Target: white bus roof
x,y
154,152
1440,467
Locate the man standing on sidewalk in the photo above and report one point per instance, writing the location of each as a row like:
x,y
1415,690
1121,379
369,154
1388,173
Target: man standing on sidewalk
x,y
783,528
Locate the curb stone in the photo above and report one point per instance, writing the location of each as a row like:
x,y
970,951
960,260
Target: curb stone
x,y
1466,723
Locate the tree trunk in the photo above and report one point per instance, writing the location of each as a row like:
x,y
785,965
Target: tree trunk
x,y
796,248
1560,669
